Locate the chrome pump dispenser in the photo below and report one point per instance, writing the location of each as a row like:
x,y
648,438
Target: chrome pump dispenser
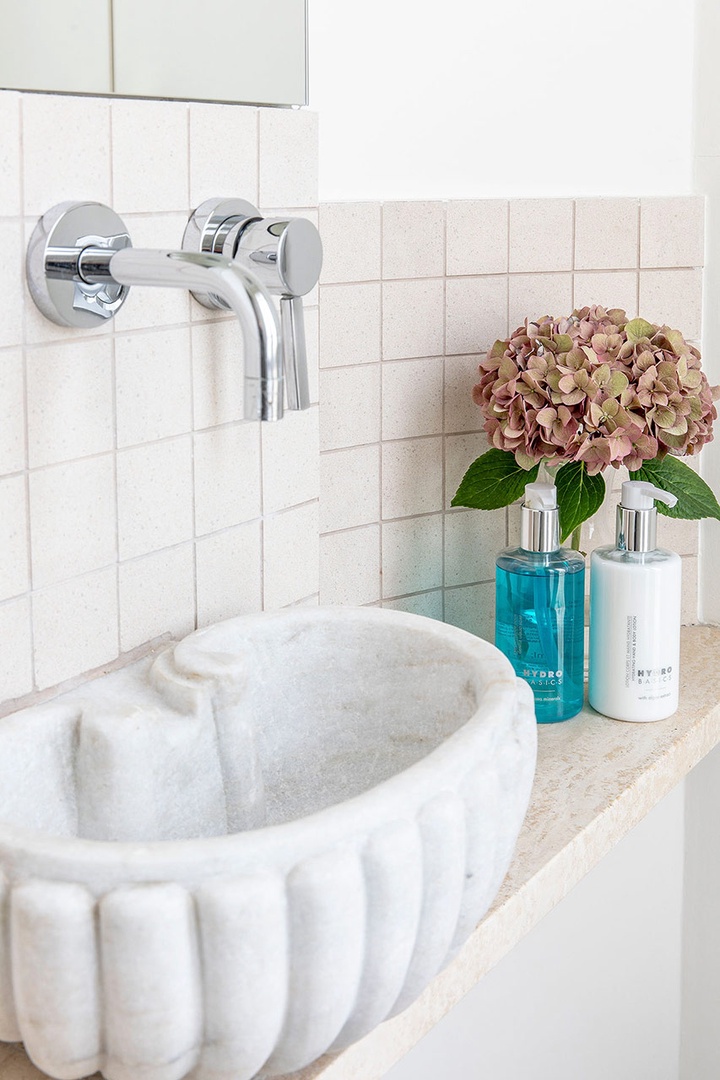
x,y
635,594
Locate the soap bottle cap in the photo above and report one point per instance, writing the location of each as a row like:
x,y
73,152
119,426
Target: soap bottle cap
x,y
539,518
637,515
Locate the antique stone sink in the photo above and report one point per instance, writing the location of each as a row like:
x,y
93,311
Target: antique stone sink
x,y
255,846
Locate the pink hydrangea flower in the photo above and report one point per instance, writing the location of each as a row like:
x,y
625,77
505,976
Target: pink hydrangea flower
x,y
595,387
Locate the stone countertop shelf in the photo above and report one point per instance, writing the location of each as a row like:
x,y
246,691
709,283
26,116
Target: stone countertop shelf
x,y
596,778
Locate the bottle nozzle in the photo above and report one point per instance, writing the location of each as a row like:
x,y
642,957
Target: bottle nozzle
x,y
540,496
539,518
640,495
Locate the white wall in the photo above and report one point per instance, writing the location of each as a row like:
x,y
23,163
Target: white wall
x,y
593,992
700,1057
465,99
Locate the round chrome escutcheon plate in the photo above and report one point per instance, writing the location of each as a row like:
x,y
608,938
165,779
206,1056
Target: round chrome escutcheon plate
x,y
52,264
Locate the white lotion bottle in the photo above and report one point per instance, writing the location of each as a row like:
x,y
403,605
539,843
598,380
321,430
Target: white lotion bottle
x,y
635,590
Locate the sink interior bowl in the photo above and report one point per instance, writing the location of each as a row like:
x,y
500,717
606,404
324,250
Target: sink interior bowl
x,y
240,726
284,825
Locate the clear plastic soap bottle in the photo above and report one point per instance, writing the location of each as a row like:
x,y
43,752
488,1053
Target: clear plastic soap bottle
x,y
540,604
635,614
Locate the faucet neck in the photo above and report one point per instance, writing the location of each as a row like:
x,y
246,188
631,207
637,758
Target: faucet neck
x,y
243,294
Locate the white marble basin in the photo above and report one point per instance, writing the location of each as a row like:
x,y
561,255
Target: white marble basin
x,y
256,846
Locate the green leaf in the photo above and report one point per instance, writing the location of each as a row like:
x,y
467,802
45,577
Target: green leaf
x,y
579,496
493,480
638,328
695,499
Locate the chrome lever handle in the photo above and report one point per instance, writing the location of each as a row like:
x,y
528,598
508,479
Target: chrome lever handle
x,y
295,363
284,254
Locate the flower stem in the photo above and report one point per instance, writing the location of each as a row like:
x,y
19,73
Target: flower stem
x,y
575,538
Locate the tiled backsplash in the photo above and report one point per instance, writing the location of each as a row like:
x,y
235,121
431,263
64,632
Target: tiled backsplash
x,y
135,502
412,294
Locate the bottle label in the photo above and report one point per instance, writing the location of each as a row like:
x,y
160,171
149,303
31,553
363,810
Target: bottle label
x,y
650,683
521,640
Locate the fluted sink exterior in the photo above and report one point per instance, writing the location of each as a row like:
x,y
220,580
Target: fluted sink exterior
x,y
166,905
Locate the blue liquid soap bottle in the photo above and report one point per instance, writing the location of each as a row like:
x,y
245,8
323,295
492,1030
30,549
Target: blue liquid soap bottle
x,y
539,612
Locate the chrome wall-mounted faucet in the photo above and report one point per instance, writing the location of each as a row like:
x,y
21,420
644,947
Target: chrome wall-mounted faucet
x,y
285,254
81,264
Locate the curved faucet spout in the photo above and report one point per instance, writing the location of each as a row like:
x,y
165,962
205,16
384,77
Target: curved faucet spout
x,y
220,275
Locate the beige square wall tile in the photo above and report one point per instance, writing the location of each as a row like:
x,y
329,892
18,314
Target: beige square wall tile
x,y
412,398
349,406
472,540
12,411
229,573
351,237
477,236
290,460
10,154
606,234
689,610
154,496
413,316
12,283
349,324
70,401
349,487
57,165
460,452
13,537
429,604
534,295
412,555
288,157
153,386
150,155
673,297
672,231
157,596
75,626
217,367
476,313
610,288
412,477
679,535
541,235
472,608
461,412
152,308
413,239
16,673
227,477
72,519
223,152
350,566
290,556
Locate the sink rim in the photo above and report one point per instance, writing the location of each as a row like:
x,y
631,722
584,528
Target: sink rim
x,y
401,794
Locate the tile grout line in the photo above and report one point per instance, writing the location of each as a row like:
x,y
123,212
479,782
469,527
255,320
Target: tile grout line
x,y
444,447
26,410
113,386
639,256
381,529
